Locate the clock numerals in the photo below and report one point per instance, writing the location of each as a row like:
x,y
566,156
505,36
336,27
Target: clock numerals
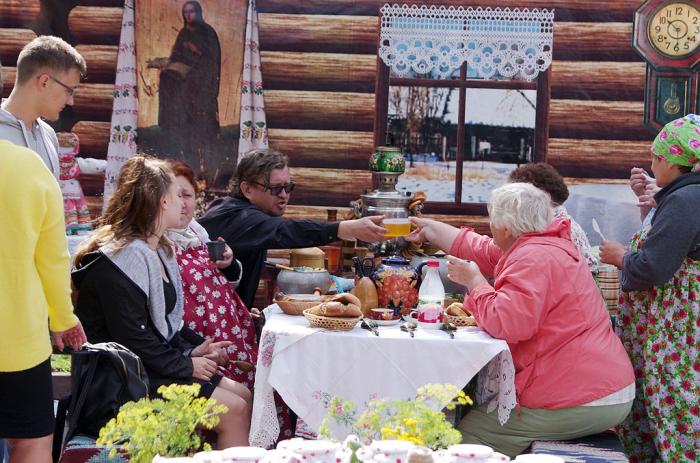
x,y
674,29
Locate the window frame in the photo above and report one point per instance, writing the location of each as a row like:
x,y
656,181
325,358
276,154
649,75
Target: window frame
x,y
381,109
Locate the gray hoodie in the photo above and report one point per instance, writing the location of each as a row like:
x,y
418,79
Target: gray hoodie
x,y
40,138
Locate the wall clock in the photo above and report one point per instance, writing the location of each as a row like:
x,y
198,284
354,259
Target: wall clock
x,y
667,35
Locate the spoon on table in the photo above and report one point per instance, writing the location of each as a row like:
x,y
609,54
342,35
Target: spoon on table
x,y
450,328
409,327
596,228
370,325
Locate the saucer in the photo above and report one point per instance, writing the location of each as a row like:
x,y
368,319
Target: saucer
x,y
429,326
387,322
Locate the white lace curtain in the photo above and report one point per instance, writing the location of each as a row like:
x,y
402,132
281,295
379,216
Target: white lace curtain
x,y
495,43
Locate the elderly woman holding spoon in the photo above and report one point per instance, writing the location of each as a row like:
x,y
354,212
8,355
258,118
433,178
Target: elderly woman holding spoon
x,y
659,320
572,375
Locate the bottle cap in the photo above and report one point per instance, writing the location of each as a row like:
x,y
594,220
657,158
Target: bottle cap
x,y
433,263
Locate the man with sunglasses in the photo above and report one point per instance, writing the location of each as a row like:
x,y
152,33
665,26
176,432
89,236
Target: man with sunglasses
x,y
48,73
251,220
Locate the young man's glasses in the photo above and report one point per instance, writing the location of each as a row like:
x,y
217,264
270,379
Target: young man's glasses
x,y
277,189
69,89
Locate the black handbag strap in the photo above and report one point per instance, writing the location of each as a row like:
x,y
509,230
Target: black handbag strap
x,y
77,402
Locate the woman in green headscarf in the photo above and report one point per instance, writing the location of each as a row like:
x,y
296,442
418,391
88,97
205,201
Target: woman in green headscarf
x,y
659,320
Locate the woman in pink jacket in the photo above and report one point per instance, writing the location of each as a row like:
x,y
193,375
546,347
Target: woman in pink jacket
x,y
572,375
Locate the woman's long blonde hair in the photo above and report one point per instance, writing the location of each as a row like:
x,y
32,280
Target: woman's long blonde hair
x,y
134,208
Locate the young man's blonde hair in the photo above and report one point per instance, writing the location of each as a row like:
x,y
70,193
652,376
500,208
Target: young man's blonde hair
x,y
50,54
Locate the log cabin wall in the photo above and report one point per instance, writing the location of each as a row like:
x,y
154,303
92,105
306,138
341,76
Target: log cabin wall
x,y
319,67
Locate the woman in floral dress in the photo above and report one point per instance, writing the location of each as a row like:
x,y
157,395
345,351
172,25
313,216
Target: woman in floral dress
x,y
212,307
659,319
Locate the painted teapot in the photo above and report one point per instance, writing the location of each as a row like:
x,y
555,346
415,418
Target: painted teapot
x,y
396,281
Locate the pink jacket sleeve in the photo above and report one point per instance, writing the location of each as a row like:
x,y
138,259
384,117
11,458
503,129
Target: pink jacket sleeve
x,y
514,311
481,249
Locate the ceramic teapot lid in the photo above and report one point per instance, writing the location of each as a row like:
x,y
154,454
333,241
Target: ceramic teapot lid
x,y
395,260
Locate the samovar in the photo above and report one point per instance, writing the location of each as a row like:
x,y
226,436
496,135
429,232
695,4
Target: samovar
x,y
386,165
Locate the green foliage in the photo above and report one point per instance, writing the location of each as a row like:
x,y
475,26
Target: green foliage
x,y
167,426
419,420
60,362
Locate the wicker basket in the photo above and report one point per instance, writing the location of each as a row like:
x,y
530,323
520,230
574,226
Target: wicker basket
x,y
296,307
459,320
610,287
331,323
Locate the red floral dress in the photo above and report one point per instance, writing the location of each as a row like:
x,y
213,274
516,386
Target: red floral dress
x,y
659,328
214,310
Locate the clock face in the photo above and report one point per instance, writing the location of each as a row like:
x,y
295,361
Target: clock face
x,y
674,29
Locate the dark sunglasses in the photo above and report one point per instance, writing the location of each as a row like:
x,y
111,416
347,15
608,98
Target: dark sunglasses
x,y
277,189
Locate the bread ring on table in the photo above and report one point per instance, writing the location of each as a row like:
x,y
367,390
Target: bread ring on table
x,y
457,309
336,309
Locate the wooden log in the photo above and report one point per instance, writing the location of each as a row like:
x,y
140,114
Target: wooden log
x,y
359,34
601,120
19,13
331,187
8,81
101,62
94,138
565,10
116,3
597,158
92,184
584,80
96,25
11,43
594,41
319,110
318,71
324,148
94,102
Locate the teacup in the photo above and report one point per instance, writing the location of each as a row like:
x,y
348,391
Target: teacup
x,y
464,453
208,457
317,451
538,458
384,314
394,451
424,320
216,250
242,454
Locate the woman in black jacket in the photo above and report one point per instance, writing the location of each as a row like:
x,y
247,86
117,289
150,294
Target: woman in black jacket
x,y
130,292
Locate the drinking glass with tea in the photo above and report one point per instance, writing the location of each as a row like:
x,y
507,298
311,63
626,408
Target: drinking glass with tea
x,y
396,223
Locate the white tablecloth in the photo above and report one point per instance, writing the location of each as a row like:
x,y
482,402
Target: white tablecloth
x,y
307,366
613,206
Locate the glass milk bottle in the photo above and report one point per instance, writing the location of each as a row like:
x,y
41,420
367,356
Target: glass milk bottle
x,y
431,295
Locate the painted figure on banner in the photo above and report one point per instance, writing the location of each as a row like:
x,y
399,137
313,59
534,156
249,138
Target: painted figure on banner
x,y
189,64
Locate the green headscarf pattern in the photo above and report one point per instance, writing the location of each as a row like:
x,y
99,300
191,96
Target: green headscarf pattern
x,y
679,142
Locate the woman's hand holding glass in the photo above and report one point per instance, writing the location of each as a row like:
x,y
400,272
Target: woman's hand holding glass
x,y
464,272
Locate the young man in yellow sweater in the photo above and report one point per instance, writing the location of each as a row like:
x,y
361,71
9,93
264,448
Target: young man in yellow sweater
x,y
34,288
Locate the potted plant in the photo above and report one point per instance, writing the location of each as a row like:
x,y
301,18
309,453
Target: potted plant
x,y
167,426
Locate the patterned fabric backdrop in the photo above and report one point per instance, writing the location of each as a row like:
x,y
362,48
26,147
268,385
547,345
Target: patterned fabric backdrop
x,y
122,141
253,125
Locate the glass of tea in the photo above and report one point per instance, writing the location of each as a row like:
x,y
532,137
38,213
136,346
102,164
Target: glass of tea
x,y
399,226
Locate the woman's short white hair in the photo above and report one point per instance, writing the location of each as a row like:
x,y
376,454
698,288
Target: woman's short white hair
x,y
521,208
